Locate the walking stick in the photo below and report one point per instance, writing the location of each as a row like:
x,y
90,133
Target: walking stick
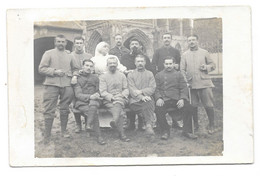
x,y
192,122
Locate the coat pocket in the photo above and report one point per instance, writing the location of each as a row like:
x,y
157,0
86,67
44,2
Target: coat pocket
x,y
204,76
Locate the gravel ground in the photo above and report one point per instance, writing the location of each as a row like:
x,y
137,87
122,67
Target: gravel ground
x,y
85,145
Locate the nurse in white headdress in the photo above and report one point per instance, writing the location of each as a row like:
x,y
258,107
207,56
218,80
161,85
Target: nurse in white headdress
x,y
100,59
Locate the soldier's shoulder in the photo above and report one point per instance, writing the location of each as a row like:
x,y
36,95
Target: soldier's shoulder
x,y
67,51
158,49
94,76
113,49
50,51
186,52
121,74
203,50
125,48
80,79
159,74
149,72
87,56
125,56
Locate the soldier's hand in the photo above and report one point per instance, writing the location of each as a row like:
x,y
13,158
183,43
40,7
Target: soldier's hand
x,y
80,71
203,67
94,96
138,92
146,98
128,71
176,66
159,102
180,104
74,80
98,97
59,73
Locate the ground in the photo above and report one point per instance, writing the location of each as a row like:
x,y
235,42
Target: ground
x,y
85,145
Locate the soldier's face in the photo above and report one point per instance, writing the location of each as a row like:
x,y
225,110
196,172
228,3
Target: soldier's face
x,y
88,67
79,44
118,40
60,43
167,38
169,64
192,41
112,65
134,44
140,63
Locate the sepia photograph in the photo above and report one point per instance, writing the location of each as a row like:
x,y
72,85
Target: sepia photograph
x,y
130,86
171,92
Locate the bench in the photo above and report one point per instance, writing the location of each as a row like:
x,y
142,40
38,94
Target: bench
x,y
104,116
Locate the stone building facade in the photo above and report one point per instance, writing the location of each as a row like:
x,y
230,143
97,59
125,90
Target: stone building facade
x,y
148,31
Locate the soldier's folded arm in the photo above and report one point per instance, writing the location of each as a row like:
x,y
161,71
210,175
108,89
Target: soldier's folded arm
x,y
149,91
80,95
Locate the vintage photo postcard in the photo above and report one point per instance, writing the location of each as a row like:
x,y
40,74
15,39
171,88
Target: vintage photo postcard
x,y
130,86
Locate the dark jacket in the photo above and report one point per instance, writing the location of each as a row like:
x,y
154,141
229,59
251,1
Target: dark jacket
x,y
128,60
170,85
87,85
160,55
119,52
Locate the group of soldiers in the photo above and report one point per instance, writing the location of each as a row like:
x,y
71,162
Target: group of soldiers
x,y
118,78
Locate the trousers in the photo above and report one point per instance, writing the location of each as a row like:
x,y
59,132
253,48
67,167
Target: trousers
x,y
169,106
204,95
117,111
51,95
144,108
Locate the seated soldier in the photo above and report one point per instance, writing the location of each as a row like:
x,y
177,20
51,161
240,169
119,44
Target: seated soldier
x,y
172,92
113,88
142,85
88,98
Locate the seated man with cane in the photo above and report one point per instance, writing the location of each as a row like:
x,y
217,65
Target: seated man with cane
x,y
172,94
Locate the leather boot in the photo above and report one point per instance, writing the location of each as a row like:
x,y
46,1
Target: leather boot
x,y
47,132
166,133
149,130
63,124
86,120
92,113
131,118
121,130
78,122
210,113
97,130
141,125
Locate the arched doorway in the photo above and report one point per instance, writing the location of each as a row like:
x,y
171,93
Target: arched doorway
x,y
141,36
94,39
40,46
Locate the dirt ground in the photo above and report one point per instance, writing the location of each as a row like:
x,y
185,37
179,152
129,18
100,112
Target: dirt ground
x,y
85,145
